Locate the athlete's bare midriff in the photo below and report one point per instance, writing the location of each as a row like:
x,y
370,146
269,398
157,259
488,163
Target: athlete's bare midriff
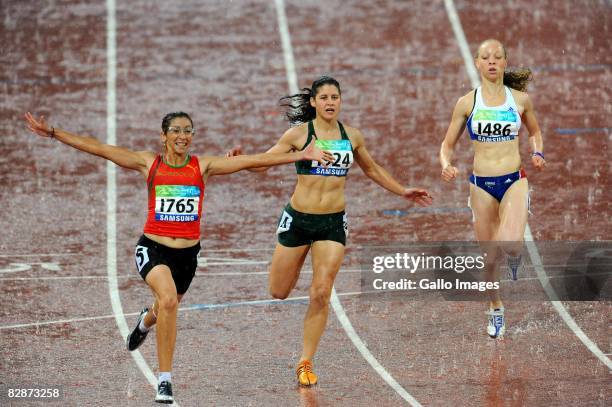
x,y
318,194
494,159
173,242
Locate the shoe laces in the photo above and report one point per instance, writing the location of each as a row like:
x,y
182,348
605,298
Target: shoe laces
x,y
304,366
496,317
514,261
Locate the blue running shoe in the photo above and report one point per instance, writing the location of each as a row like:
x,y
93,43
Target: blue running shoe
x,y
514,264
497,325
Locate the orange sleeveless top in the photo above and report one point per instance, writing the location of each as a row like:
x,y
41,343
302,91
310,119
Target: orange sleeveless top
x,y
175,199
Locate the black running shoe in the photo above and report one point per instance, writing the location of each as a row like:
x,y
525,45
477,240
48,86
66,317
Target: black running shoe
x,y
136,338
164,393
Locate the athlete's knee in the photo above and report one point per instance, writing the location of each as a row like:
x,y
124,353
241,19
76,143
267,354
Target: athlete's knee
x,y
512,247
168,301
278,293
320,293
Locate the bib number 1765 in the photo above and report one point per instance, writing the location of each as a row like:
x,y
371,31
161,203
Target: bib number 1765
x,y
177,205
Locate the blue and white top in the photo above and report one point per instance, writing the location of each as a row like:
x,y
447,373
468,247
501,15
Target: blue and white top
x,y
492,124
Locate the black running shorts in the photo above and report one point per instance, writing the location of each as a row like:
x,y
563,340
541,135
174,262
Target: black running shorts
x,y
182,262
299,229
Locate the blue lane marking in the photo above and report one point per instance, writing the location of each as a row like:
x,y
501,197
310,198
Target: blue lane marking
x,y
571,68
404,212
571,131
244,303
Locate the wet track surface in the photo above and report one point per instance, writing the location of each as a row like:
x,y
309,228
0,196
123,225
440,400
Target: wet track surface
x,y
401,73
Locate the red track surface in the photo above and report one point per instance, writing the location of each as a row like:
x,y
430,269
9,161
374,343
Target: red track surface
x,y
401,72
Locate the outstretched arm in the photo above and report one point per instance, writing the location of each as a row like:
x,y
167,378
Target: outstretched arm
x,y
382,177
228,165
121,156
535,135
284,145
455,129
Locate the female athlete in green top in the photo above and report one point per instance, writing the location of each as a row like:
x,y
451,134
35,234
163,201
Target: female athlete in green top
x,y
314,218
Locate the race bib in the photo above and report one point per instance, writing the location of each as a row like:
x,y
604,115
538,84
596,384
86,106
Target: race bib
x,y
492,126
177,203
343,158
141,255
285,223
345,224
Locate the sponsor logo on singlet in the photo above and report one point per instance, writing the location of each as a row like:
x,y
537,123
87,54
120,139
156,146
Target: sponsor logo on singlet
x,y
490,126
177,203
343,158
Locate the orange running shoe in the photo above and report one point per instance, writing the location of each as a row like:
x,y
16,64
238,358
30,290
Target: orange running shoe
x,y
305,375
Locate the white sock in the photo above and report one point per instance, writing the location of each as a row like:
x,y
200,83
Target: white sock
x,y
515,259
165,377
141,327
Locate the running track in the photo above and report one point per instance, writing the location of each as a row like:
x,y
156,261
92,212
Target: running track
x,y
401,69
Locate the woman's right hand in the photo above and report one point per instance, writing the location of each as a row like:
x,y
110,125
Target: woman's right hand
x,y
449,173
236,151
314,153
39,126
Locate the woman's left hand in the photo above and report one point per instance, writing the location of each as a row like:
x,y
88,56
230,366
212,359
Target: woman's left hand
x,y
419,196
39,126
538,162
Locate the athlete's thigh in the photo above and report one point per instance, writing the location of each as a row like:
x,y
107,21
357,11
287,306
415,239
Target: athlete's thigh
x,y
513,211
161,282
485,212
285,268
327,257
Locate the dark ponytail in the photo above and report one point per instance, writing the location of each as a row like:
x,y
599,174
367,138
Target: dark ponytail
x,y
517,79
298,109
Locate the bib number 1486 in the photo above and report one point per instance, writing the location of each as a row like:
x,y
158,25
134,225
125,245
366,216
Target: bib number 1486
x,y
495,130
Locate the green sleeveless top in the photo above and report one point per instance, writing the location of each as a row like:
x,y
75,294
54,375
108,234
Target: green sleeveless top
x,y
342,151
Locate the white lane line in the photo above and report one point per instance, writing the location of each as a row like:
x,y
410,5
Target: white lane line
x,y
135,277
455,21
111,189
283,28
62,278
531,248
15,268
367,355
39,255
62,321
558,305
271,249
262,273
187,308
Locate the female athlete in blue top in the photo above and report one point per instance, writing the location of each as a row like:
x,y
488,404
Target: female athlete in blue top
x,y
499,197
